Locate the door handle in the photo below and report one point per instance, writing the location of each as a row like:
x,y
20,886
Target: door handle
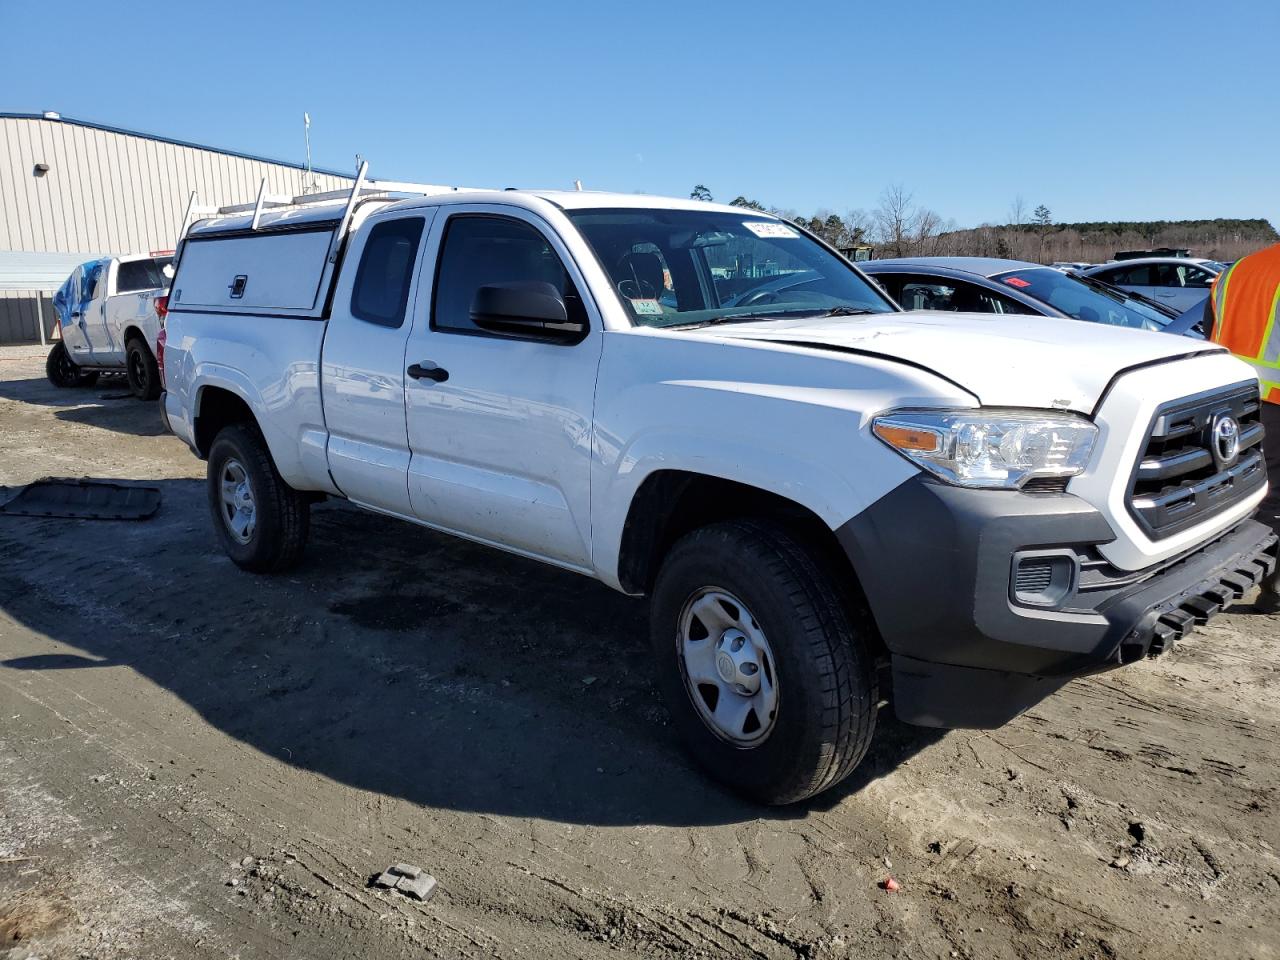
x,y
419,372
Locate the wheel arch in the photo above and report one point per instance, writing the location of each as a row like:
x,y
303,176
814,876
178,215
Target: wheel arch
x,y
135,332
671,503
217,407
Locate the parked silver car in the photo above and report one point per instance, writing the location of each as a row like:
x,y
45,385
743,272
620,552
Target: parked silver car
x,y
992,285
1180,282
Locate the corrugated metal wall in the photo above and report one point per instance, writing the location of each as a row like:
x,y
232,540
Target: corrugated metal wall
x,y
18,316
113,192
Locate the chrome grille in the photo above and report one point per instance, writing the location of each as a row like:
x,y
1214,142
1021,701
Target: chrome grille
x,y
1181,478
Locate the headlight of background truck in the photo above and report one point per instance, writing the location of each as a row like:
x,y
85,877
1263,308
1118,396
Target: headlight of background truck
x,y
999,449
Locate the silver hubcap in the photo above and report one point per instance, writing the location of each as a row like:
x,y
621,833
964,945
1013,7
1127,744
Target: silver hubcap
x,y
237,501
728,667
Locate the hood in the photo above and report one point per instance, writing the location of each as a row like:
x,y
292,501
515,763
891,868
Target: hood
x,y
1004,360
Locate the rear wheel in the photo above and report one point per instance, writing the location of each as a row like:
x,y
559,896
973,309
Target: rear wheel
x,y
62,371
261,520
142,370
767,678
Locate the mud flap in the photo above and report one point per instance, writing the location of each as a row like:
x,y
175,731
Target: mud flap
x,y
81,500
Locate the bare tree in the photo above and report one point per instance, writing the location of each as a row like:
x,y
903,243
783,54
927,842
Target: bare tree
x,y
893,220
926,227
902,228
1018,211
858,225
1017,218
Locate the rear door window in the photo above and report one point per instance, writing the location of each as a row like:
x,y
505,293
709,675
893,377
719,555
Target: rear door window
x,y
381,289
1195,277
135,275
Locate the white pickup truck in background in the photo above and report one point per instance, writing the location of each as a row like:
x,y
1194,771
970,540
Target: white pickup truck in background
x,y
830,502
109,317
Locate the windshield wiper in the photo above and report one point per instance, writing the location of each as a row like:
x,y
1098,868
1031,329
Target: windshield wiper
x,y
846,312
777,315
716,321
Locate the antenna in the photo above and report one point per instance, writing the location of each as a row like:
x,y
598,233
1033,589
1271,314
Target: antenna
x,y
310,185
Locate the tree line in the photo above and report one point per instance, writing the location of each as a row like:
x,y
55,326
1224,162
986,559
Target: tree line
x,y
898,226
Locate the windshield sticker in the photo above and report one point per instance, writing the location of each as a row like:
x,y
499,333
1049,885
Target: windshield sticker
x,y
647,308
1016,282
767,228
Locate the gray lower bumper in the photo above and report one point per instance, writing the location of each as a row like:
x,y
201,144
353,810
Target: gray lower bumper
x,y
936,561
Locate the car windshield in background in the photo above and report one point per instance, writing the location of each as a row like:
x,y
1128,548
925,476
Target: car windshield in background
x,y
134,275
1085,300
686,267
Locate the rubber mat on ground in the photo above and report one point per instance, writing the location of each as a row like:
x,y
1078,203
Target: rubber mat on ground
x,y
80,499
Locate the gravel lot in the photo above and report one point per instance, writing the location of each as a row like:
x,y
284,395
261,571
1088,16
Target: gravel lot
x,y
197,762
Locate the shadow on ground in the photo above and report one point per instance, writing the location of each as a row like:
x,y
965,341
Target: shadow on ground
x,y
108,404
396,660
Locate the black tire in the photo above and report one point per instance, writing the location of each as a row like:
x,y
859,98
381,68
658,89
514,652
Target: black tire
x,y
281,514
141,369
822,665
62,371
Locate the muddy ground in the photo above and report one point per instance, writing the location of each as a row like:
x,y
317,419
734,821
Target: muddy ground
x,y
198,762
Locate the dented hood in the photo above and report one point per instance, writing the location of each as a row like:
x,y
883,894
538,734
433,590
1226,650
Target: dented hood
x,y
1004,360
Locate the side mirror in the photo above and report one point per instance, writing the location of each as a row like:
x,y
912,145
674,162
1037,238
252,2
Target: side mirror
x,y
528,308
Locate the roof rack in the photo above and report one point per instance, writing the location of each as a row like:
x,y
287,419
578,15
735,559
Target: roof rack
x,y
362,188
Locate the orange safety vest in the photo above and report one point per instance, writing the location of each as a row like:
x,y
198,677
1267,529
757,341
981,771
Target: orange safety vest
x,y
1245,298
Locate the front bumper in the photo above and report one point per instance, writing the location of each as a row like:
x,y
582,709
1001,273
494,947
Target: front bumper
x,y
937,565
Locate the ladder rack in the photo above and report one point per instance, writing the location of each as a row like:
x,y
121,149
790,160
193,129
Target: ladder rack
x,y
362,188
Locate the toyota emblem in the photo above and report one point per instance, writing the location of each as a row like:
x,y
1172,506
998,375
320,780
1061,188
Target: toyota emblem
x,y
1226,440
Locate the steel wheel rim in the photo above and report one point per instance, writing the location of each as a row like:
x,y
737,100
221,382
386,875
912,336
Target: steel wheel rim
x,y
239,514
728,667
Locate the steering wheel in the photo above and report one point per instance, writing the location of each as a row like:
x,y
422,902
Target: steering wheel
x,y
637,289
758,298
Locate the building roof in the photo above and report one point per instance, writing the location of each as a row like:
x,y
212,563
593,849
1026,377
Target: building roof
x,y
51,116
23,270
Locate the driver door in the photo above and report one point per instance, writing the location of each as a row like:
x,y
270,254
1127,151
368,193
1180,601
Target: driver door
x,y
500,425
70,306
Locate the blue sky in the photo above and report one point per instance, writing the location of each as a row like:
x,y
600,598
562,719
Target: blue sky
x,y
1118,110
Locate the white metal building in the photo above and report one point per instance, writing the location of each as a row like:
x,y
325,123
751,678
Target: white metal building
x,y
71,190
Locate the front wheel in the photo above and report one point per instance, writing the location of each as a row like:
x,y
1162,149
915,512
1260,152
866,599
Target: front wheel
x,y
261,520
770,683
142,370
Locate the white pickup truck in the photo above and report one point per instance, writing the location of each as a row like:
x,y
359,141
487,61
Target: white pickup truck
x,y
109,316
831,504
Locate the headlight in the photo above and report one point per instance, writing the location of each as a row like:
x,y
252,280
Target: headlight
x,y
990,448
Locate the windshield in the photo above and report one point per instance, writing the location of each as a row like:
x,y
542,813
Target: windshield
x,y
684,267
1083,299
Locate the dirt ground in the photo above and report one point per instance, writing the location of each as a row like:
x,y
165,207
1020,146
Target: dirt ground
x,y
198,762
